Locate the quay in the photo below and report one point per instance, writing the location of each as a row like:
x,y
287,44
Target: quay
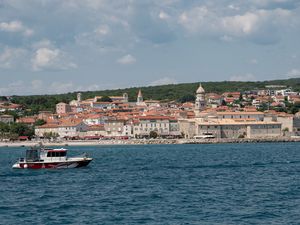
x,y
149,142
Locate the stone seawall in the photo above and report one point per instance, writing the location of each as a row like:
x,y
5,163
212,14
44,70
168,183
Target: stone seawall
x,y
149,142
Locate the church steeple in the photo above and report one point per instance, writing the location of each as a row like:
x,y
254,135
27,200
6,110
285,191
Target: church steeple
x,y
200,102
200,90
139,97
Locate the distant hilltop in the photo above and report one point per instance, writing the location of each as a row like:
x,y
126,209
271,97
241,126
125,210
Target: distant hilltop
x,y
170,92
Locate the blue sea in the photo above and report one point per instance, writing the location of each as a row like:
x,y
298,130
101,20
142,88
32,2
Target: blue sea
x,y
158,184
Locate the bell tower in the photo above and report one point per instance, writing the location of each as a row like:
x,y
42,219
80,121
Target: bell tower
x,y
139,97
200,102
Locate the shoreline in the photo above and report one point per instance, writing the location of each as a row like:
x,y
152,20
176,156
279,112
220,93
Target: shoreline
x,y
147,141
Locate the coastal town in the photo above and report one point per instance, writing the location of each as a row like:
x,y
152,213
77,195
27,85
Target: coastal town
x,y
212,116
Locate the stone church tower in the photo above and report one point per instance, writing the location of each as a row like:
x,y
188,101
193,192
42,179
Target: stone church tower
x,y
200,103
140,100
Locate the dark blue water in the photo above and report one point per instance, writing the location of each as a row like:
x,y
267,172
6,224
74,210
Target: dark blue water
x,y
164,184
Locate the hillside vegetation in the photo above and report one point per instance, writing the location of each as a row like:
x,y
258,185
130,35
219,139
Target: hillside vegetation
x,y
177,92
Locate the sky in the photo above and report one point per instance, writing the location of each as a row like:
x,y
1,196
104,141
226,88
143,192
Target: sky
x,y
55,46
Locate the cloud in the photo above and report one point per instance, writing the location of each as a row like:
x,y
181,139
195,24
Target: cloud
x,y
51,59
12,88
257,25
245,77
126,60
195,19
9,57
293,73
163,15
62,87
36,86
15,26
163,81
253,61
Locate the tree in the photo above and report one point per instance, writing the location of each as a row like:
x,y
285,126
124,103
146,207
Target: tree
x,y
263,107
39,122
4,127
153,134
223,103
3,98
21,129
12,113
241,97
105,99
187,98
50,135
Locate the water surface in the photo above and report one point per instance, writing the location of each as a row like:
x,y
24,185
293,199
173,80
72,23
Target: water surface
x,y
158,184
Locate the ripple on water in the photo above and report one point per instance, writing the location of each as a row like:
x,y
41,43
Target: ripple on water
x,y
158,184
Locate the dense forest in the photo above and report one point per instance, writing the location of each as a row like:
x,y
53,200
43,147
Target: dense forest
x,y
177,92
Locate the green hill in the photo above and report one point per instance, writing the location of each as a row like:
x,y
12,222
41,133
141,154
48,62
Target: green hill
x,y
163,92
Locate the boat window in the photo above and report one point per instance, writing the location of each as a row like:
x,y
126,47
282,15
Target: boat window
x,y
32,155
56,154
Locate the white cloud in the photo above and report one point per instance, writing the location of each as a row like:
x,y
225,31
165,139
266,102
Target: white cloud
x,y
163,15
12,88
62,87
15,26
234,7
51,59
9,57
102,30
253,61
245,77
20,87
240,24
126,60
195,19
163,81
293,73
253,24
42,44
226,38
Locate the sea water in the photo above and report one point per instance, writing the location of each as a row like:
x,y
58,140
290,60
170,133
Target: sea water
x,y
158,184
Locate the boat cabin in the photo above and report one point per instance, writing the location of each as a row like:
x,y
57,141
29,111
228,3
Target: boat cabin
x,y
53,153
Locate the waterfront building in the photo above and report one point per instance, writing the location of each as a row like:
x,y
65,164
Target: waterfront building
x,y
66,128
257,116
95,132
162,125
114,127
290,123
234,128
41,131
229,128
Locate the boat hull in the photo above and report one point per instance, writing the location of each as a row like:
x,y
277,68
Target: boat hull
x,y
52,165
